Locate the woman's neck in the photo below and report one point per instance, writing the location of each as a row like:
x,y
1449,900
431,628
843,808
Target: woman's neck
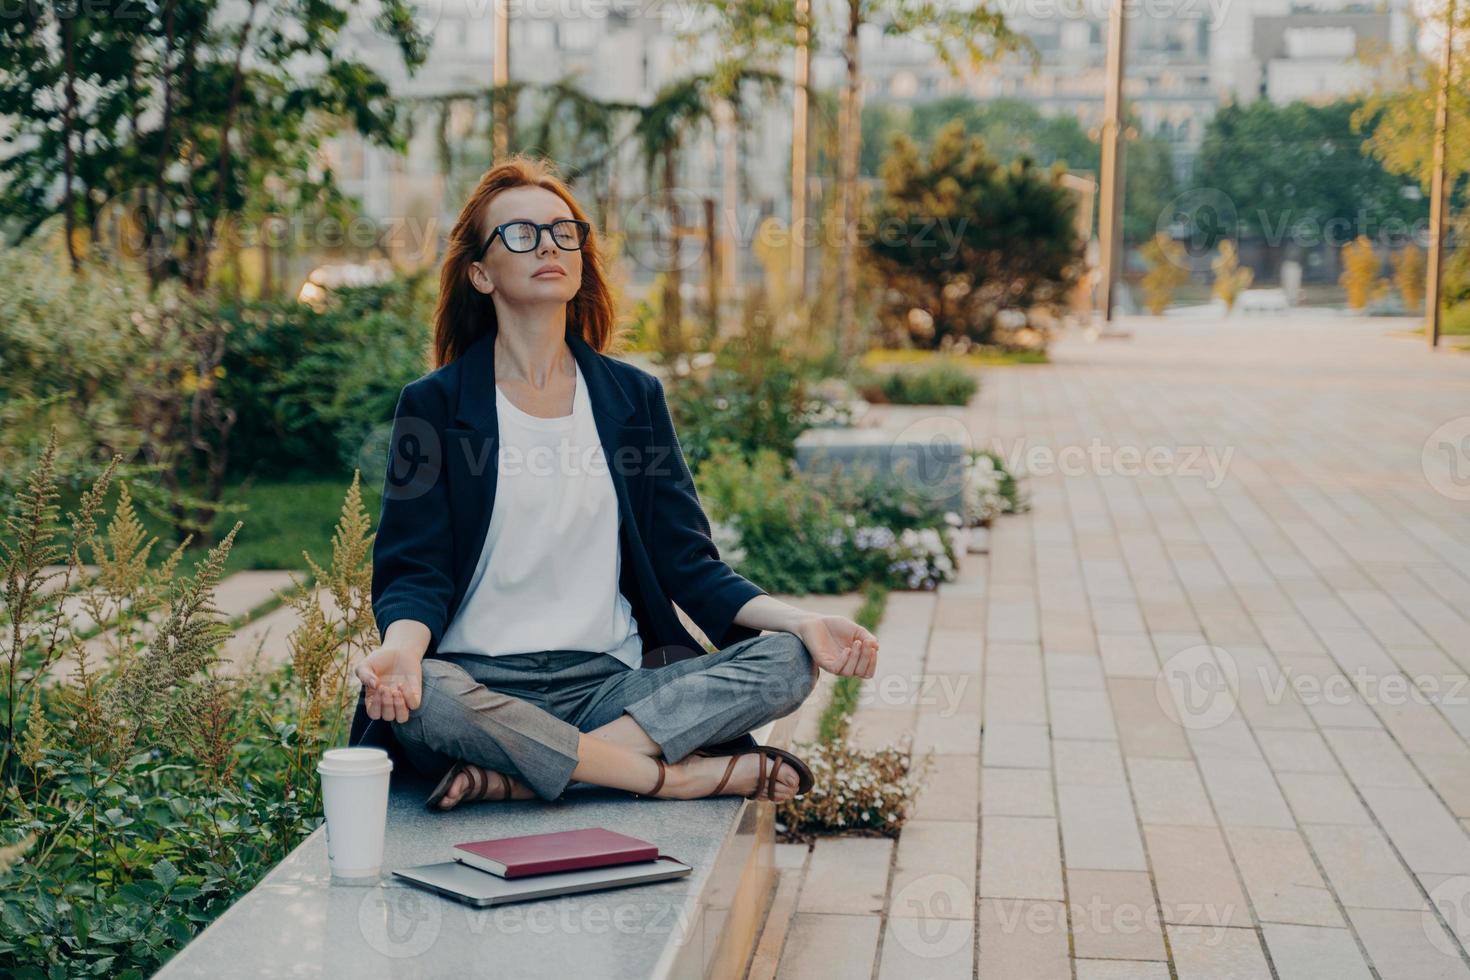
x,y
533,349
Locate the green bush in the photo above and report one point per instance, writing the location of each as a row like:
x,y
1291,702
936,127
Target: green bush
x,y
148,788
831,533
937,384
72,348
747,407
1456,320
759,394
311,388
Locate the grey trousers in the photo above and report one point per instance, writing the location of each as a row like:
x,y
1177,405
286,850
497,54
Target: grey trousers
x,y
521,714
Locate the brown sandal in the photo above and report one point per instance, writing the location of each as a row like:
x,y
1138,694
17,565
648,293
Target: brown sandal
x,y
663,770
479,788
778,756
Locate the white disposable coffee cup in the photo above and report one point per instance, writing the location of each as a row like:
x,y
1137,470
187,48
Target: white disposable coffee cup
x,y
355,798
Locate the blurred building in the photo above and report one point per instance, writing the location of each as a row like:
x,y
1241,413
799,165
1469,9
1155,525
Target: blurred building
x,y
1319,56
1185,59
1168,83
616,51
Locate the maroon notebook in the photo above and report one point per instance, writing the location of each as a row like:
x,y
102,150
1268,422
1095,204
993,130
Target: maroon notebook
x,y
564,850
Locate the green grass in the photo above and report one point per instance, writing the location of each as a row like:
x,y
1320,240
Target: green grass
x,y
287,517
833,723
283,517
1455,321
920,358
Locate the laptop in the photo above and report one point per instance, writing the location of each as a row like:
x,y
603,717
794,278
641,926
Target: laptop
x,y
481,889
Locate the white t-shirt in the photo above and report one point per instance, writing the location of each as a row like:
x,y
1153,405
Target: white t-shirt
x,y
547,578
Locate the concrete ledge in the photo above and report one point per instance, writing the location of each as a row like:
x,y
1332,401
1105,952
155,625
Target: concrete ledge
x,y
928,455
296,924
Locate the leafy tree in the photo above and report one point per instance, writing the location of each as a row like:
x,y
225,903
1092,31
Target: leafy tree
x,y
183,111
961,237
1013,128
1397,116
1149,186
1010,128
1300,172
761,28
678,111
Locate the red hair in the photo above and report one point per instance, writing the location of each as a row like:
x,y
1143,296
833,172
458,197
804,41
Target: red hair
x,y
464,314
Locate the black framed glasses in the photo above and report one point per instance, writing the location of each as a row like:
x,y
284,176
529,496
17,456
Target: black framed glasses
x,y
525,236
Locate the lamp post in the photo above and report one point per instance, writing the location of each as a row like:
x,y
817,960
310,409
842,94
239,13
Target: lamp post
x,y
1110,207
1437,191
501,118
800,112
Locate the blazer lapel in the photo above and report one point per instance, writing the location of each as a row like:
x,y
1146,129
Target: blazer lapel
x,y
472,448
472,445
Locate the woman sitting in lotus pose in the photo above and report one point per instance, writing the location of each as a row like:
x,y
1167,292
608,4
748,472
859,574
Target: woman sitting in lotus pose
x,y
538,524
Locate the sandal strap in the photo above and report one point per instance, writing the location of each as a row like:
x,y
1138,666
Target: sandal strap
x,y
480,783
771,784
662,771
729,768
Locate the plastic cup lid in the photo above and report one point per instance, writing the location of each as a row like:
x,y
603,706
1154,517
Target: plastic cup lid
x,y
348,761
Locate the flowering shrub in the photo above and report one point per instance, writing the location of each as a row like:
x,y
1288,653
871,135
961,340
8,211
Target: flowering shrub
x,y
826,533
855,792
828,404
990,489
925,557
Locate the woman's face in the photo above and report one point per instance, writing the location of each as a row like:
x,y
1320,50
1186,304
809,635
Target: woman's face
x,y
527,278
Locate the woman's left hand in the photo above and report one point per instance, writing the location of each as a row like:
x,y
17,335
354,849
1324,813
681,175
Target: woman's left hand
x,y
840,646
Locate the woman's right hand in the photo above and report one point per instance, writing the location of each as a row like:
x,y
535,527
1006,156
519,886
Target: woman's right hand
x,y
392,681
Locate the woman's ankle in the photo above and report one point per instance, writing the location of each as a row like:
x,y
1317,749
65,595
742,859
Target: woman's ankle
x,y
678,782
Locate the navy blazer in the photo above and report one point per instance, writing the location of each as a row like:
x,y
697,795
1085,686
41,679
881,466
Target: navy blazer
x,y
439,490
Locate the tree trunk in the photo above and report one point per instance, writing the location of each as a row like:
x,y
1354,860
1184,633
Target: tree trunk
x,y
199,272
68,38
848,148
672,328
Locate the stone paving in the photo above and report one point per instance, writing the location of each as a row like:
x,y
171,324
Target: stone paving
x,y
1203,711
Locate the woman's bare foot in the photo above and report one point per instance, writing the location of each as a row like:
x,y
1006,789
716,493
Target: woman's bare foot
x,y
462,784
697,776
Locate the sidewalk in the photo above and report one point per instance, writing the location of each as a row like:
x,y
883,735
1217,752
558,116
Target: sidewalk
x,y
1203,711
